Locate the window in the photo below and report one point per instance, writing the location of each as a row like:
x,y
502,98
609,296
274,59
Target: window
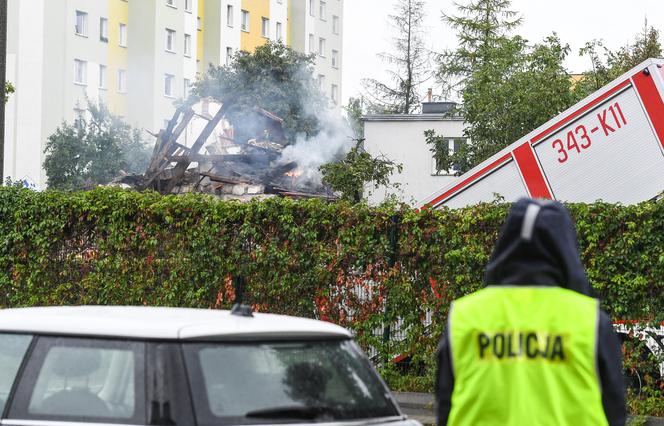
x,y
170,40
168,85
321,47
334,94
123,35
335,59
13,347
81,23
279,32
312,8
323,10
311,43
170,3
187,5
453,144
229,15
321,81
102,76
265,27
187,45
103,30
186,87
245,21
229,55
80,72
122,81
78,380
335,24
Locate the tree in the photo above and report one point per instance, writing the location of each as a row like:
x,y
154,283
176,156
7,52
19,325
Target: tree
x,y
274,77
508,87
9,89
607,65
356,170
93,150
354,112
410,61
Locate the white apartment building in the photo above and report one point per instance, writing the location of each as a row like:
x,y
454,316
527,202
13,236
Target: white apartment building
x,y
139,57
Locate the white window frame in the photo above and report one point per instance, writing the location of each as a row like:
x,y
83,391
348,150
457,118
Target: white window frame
x,y
335,59
312,8
265,27
229,15
169,79
122,81
321,47
122,35
103,29
187,45
80,72
322,6
244,21
187,5
103,73
229,55
171,3
334,94
448,172
169,42
312,43
335,24
321,81
186,86
279,32
81,27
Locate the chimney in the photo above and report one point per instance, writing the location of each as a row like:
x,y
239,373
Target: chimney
x,y
429,94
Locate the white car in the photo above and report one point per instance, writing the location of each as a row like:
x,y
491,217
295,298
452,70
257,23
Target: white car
x,y
170,366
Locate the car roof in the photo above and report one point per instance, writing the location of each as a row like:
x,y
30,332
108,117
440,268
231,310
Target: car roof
x,y
161,323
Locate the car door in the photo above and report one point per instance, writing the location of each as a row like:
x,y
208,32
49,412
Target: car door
x,y
75,381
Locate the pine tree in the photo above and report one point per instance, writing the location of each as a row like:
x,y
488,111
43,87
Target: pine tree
x,y
409,62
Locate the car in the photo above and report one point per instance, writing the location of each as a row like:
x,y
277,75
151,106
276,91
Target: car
x,y
176,366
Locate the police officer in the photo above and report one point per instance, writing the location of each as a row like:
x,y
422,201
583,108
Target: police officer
x,y
532,348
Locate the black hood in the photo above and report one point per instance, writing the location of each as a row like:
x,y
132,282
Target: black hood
x,y
538,245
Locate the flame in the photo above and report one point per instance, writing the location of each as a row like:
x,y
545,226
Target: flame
x,y
294,173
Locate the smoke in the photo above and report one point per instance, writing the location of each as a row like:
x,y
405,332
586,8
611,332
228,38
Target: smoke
x,y
334,140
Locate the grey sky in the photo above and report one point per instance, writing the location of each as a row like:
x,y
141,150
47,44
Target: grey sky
x,y
366,31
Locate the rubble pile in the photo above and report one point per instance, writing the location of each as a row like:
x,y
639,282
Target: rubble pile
x,y
217,163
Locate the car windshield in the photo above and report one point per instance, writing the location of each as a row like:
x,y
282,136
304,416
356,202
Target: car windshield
x,y
245,383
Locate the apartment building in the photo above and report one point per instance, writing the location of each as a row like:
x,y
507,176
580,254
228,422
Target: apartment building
x,y
139,57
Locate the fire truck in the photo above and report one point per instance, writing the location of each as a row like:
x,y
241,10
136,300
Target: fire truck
x,y
609,146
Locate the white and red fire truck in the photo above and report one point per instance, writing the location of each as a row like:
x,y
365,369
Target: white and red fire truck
x,y
609,146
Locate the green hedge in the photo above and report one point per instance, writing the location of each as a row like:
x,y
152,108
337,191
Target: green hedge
x,y
307,258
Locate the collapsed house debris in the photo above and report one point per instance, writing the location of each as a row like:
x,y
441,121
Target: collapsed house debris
x,y
216,163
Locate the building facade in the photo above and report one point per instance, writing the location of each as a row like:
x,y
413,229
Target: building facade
x,y
400,138
139,57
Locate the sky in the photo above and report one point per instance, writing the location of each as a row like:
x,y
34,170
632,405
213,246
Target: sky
x,y
366,30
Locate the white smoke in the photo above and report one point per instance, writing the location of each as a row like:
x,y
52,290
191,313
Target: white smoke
x,y
334,140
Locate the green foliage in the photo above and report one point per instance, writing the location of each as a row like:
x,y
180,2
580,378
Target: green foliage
x,y
356,170
309,258
508,86
354,112
8,90
274,77
93,150
608,65
409,62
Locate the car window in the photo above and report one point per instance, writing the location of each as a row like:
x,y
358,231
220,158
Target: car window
x,y
307,381
12,351
83,380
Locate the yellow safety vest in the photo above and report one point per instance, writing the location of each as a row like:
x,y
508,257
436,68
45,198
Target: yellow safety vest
x,y
525,356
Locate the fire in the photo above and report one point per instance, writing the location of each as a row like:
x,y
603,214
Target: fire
x,y
294,173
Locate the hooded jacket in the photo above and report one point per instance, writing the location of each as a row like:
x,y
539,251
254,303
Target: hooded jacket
x,y
538,246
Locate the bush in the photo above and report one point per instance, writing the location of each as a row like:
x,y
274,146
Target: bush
x,y
307,258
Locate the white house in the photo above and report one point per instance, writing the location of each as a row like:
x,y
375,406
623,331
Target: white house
x,y
400,138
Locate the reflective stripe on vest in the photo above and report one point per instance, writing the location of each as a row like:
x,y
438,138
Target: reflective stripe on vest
x,y
525,356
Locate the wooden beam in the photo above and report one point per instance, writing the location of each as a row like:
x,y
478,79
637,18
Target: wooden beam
x,y
213,158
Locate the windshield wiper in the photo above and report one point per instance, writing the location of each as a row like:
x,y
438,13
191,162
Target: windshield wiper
x,y
292,412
